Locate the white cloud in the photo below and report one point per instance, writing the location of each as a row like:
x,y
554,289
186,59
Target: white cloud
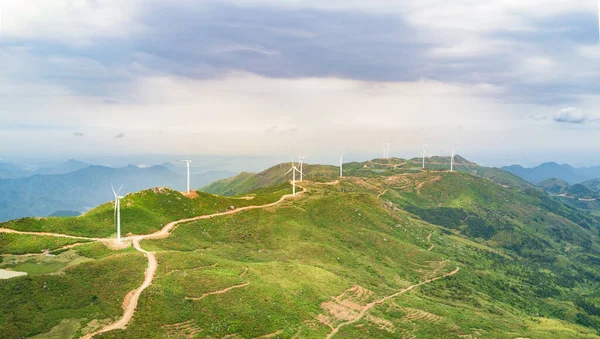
x,y
68,21
571,115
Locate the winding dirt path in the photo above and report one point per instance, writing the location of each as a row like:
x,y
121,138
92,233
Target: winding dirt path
x,y
56,235
369,306
382,193
131,300
225,290
429,240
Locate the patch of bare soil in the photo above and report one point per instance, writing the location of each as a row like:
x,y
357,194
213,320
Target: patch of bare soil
x,y
113,244
193,194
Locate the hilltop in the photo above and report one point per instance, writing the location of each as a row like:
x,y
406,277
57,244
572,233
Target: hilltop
x,y
388,251
83,188
245,181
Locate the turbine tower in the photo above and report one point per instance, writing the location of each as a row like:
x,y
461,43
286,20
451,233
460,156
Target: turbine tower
x,y
117,215
301,162
452,159
386,150
294,169
341,163
424,154
187,163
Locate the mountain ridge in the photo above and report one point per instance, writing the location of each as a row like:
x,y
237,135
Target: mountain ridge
x,y
41,195
342,252
549,170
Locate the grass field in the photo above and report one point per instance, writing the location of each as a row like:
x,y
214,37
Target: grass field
x,y
336,261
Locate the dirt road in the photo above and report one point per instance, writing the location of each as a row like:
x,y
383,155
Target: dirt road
x,y
369,306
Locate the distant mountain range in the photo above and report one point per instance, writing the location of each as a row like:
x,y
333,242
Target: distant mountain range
x,y
572,175
13,171
70,192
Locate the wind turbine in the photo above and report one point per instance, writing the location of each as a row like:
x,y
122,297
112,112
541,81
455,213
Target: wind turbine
x,y
341,163
386,150
452,159
424,154
301,162
117,215
294,169
187,163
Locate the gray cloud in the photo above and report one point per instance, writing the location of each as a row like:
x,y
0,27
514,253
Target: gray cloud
x,y
204,57
571,115
207,40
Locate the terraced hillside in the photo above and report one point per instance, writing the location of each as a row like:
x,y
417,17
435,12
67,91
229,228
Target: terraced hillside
x,y
388,251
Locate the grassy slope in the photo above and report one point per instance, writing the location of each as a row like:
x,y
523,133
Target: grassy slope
x,y
247,182
91,290
522,255
301,254
143,212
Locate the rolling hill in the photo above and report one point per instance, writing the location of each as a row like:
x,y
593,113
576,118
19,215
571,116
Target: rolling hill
x,y
584,195
388,251
245,181
42,195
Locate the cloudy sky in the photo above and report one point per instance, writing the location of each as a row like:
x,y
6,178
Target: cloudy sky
x,y
504,81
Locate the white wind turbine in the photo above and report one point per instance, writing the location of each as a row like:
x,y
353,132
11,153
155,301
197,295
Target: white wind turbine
x,y
424,154
341,163
187,163
301,162
452,159
117,215
294,169
386,150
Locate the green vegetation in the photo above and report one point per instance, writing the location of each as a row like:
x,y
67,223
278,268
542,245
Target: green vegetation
x,y
528,262
94,290
143,212
247,182
22,244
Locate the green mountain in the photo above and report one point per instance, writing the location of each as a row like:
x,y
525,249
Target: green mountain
x,y
388,251
584,196
245,181
553,185
80,190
